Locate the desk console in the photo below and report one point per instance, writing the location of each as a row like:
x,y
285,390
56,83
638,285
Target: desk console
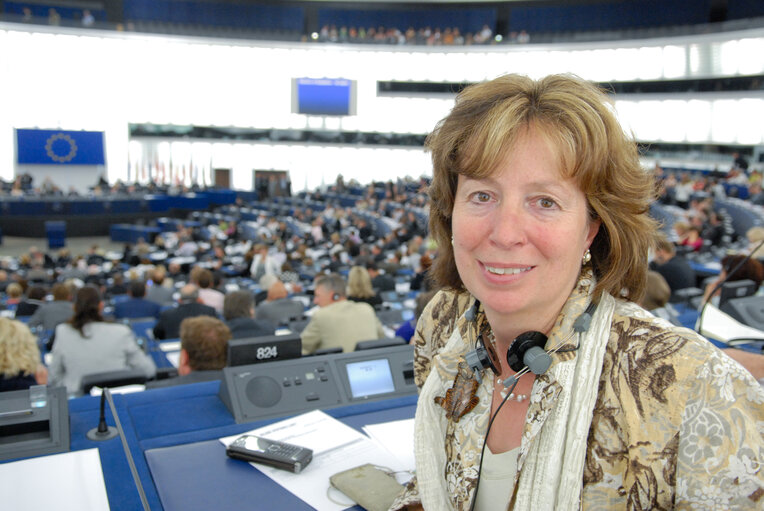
x,y
263,391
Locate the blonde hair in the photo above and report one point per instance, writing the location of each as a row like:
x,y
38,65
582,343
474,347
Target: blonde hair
x,y
578,120
18,349
14,290
359,283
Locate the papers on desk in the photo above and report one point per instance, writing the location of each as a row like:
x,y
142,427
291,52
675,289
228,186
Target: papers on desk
x,y
336,447
71,480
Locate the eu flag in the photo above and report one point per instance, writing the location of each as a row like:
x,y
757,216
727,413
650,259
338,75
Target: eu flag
x,y
58,147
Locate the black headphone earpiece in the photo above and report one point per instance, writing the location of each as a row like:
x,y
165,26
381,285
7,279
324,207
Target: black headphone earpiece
x,y
526,351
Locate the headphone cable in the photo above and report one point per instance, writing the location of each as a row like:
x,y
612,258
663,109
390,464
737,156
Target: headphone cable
x,y
485,443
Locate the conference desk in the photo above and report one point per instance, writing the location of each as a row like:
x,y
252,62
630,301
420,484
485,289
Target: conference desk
x,y
174,434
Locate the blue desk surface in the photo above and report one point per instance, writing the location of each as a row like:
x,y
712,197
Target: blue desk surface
x,y
166,424
200,476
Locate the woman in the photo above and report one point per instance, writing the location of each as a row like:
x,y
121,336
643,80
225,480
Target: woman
x,y
539,207
86,344
359,287
20,365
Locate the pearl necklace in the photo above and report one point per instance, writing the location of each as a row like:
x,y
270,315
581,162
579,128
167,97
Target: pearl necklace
x,y
503,392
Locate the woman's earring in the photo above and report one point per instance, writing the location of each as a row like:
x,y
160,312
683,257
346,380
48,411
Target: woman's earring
x,y
587,257
452,239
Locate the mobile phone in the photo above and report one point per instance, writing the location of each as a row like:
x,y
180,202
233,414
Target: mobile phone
x,y
277,454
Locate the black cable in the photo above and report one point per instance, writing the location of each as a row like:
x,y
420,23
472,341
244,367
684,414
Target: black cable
x,y
485,443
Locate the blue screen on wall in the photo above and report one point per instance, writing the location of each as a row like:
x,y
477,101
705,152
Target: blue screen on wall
x,y
323,96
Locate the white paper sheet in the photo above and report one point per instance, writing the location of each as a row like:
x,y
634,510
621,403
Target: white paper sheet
x,y
71,480
397,437
336,447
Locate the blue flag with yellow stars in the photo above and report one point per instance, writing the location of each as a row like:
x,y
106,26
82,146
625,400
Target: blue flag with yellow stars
x,y
58,147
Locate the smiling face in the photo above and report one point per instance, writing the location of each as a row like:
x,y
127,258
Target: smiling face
x,y
520,235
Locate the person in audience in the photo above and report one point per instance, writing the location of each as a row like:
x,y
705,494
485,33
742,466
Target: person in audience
x,y
419,280
208,295
692,238
338,322
657,291
734,267
379,281
118,286
136,306
203,352
278,308
20,365
239,315
51,314
158,292
263,263
359,287
539,207
35,298
168,325
673,267
87,344
14,294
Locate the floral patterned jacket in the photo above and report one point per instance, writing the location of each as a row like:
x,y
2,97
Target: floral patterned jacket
x,y
676,425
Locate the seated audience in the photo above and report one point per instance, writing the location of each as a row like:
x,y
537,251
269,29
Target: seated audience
x,y
338,321
118,286
14,294
263,263
379,281
657,292
734,267
87,344
419,280
168,325
20,365
208,295
203,352
51,314
136,306
278,308
359,287
158,292
35,298
673,267
239,315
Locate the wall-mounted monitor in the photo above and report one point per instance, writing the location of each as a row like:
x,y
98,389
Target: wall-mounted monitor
x,y
324,96
267,348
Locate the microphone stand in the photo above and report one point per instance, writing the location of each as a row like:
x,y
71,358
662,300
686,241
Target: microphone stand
x,y
103,431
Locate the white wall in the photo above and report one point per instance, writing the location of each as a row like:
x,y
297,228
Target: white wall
x,y
73,79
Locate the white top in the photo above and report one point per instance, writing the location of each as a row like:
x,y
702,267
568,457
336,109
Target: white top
x,y
497,478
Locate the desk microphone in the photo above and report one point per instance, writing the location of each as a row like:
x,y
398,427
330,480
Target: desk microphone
x,y
102,432
102,436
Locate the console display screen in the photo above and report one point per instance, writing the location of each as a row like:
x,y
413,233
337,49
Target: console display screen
x,y
370,377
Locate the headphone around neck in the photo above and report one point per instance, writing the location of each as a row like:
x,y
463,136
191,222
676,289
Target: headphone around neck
x,y
525,353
